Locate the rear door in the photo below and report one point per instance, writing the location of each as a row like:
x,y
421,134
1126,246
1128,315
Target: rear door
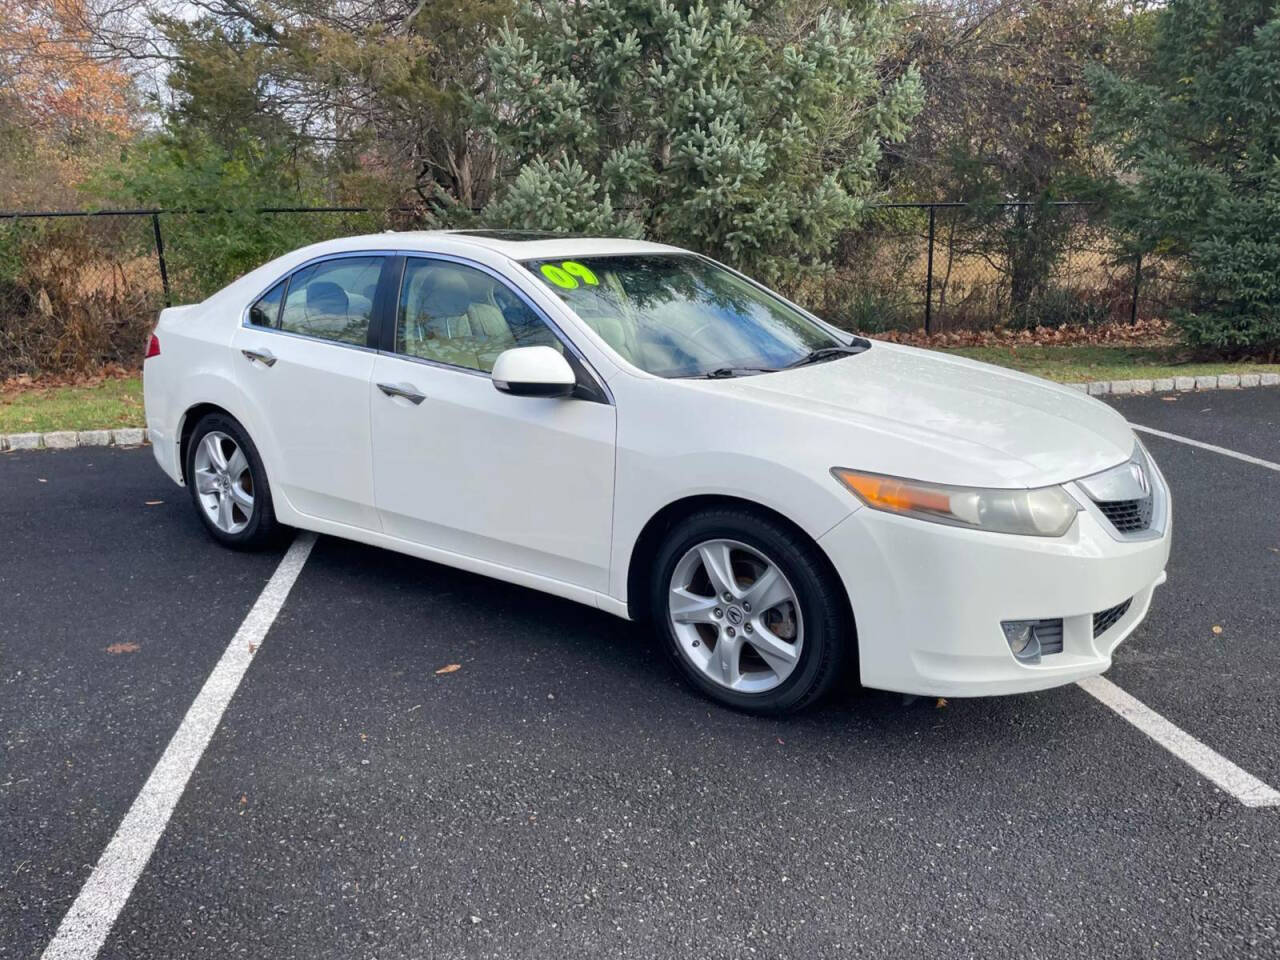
x,y
306,358
524,482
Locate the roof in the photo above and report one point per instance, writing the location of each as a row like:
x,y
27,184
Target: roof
x,y
529,245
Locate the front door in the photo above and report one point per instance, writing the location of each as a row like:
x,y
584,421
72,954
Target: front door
x,y
523,482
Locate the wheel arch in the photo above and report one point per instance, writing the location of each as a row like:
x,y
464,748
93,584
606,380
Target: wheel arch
x,y
187,425
652,534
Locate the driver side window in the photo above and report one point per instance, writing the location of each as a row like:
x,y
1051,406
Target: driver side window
x,y
457,315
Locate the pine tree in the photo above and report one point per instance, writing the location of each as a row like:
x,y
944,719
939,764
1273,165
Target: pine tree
x,y
751,139
1197,134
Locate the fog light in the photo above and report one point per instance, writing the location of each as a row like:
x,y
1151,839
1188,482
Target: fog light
x,y
1021,636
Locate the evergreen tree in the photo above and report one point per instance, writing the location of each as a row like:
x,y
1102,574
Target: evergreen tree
x,y
750,136
1197,131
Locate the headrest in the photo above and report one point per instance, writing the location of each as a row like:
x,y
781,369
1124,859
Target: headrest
x,y
327,297
446,293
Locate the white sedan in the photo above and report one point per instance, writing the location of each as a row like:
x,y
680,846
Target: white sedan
x,y
640,429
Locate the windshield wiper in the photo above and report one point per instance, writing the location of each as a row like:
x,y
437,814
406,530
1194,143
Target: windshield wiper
x,y
830,353
725,373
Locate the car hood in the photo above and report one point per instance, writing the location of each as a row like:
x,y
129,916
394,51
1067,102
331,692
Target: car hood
x,y
948,419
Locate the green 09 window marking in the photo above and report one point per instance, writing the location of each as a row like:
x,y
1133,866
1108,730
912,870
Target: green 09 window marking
x,y
580,271
568,274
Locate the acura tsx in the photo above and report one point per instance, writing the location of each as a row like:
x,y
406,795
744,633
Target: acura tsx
x,y
641,429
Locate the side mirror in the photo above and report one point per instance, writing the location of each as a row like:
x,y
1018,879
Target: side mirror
x,y
533,372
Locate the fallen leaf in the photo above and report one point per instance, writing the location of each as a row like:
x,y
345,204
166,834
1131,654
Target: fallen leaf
x,y
1216,629
125,647
153,503
450,668
253,648
942,702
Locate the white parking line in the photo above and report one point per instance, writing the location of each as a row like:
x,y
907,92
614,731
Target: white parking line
x,y
85,927
1209,446
1241,784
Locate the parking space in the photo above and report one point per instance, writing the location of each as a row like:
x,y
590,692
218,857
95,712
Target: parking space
x,y
114,606
1224,572
1246,421
560,793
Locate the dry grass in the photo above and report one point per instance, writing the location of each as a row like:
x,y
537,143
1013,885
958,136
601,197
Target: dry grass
x,y
69,306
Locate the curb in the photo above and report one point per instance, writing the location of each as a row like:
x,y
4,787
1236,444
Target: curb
x,y
67,439
1224,381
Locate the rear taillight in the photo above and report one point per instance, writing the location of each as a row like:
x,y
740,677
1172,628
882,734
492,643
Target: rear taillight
x,y
153,347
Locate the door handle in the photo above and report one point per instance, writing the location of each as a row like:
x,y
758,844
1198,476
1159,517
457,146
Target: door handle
x,y
406,390
263,356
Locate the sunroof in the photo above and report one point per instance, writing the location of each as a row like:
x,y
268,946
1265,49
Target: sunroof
x,y
512,234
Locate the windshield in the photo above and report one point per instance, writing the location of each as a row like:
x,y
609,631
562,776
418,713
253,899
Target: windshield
x,y
678,315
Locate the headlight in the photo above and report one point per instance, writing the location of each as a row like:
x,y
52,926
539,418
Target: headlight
x,y
1043,512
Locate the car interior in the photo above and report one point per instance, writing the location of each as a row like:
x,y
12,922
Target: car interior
x,y
333,299
460,316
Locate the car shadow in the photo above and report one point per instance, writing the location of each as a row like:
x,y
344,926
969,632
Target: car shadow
x,y
417,617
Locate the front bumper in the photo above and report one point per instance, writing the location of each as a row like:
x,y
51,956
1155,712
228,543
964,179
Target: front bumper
x,y
928,600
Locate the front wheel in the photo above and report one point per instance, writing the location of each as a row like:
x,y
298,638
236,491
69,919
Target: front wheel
x,y
749,611
229,485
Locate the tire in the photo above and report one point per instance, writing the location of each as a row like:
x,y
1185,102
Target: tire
x,y
249,528
813,619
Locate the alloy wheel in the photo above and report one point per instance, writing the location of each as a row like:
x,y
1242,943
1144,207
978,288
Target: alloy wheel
x,y
735,616
224,482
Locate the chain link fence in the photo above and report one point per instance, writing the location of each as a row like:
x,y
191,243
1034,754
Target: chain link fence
x,y
82,290
944,267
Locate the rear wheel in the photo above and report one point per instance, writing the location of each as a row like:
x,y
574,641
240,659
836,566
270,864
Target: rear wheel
x,y
749,612
229,485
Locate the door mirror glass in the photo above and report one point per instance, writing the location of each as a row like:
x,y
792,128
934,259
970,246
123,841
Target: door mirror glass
x,y
533,372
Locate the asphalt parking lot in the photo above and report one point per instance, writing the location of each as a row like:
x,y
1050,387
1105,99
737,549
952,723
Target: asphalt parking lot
x,y
561,794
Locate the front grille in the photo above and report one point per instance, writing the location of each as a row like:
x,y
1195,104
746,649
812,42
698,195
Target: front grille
x,y
1106,619
1128,516
1049,635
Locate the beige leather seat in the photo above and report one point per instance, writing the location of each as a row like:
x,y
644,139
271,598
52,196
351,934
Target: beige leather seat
x,y
613,332
449,322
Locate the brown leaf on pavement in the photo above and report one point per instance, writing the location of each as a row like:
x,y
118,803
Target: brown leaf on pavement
x,y
450,668
125,647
